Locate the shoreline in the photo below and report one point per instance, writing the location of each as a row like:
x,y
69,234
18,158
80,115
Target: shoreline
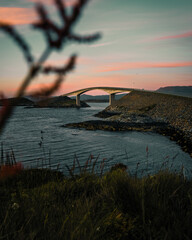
x,y
137,122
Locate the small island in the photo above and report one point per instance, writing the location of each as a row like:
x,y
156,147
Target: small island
x,y
58,102
51,102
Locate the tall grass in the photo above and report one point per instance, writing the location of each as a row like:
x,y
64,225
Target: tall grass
x,y
45,204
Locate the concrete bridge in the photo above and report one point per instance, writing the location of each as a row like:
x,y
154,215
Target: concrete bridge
x,y
110,90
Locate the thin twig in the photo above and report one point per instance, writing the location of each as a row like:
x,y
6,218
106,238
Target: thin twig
x,y
47,27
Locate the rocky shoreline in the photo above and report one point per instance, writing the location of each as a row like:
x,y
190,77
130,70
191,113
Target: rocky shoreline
x,y
116,126
162,128
156,127
160,113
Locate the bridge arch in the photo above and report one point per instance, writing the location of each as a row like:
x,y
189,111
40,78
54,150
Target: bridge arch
x,y
110,90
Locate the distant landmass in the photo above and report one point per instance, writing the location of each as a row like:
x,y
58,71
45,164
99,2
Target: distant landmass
x,y
98,98
52,102
185,91
58,102
22,101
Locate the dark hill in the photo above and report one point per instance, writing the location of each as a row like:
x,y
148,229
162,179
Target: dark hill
x,y
185,91
59,102
175,110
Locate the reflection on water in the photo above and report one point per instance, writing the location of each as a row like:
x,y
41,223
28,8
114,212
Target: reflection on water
x,y
137,150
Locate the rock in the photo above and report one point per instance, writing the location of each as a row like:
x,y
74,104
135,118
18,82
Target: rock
x,y
115,125
106,114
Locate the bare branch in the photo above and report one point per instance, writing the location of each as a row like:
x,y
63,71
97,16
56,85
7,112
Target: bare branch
x,y
45,24
61,74
5,111
68,67
84,39
62,10
45,92
56,37
77,10
19,40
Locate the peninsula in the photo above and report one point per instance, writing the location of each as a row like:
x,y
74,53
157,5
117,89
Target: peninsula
x,y
166,114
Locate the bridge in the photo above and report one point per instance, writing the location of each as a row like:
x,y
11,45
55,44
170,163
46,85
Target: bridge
x,y
110,90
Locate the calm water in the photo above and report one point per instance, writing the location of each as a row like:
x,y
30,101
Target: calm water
x,y
23,134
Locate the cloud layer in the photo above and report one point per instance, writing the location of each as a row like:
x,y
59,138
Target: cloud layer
x,y
183,35
138,65
50,2
22,16
16,16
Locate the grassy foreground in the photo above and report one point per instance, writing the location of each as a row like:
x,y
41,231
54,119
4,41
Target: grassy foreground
x,y
43,204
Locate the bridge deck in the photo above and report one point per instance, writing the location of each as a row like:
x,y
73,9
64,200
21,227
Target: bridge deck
x,y
109,90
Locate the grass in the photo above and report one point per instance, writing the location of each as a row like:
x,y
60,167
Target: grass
x,y
44,204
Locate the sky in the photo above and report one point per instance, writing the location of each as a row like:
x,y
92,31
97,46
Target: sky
x,y
144,45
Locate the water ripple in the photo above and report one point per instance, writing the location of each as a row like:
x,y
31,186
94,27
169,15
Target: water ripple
x,y
23,134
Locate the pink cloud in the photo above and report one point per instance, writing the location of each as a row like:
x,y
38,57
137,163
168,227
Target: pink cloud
x,y
60,62
136,65
38,87
22,16
16,16
50,2
102,44
75,81
183,35
140,81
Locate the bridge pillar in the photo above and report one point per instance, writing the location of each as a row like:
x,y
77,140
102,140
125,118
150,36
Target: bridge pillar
x,y
111,98
78,103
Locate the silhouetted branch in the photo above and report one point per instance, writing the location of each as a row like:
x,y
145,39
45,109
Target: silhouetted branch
x,y
5,111
61,73
84,39
19,40
61,9
47,91
77,10
65,69
45,24
55,37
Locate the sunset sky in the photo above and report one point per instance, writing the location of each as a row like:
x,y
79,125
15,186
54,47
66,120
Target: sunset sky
x,y
145,44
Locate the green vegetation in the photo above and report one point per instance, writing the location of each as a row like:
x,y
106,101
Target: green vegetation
x,y
44,204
